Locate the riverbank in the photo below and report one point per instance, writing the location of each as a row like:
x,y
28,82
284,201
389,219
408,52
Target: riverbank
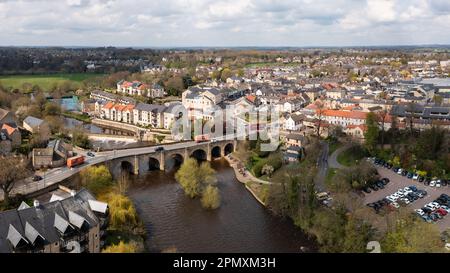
x,y
257,187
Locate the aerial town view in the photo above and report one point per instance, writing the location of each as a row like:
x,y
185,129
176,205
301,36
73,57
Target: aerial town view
x,y
225,127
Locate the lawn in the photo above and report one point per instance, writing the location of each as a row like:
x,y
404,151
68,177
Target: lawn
x,y
329,178
351,156
46,81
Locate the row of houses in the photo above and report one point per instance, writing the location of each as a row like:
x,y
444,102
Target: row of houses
x,y
55,227
143,114
137,88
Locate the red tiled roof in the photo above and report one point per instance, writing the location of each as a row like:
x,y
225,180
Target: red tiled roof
x,y
9,129
108,105
119,107
251,98
345,114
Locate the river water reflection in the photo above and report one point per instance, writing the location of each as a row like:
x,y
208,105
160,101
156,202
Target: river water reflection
x,y
241,224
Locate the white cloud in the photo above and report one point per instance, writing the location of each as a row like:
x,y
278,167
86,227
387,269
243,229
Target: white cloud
x,y
223,22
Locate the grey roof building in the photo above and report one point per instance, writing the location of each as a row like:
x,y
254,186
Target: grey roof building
x,y
50,227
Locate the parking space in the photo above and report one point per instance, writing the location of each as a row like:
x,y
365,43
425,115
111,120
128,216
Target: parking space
x,y
397,182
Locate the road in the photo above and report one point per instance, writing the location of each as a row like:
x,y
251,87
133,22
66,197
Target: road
x,y
59,174
333,157
322,163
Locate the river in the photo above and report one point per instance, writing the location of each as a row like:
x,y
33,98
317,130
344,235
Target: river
x,y
240,225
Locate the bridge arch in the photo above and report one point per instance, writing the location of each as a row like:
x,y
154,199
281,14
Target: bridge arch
x,y
216,152
228,149
173,160
200,154
153,164
127,166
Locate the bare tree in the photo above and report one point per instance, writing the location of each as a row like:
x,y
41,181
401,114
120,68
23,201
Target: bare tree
x,y
382,115
12,169
411,109
319,115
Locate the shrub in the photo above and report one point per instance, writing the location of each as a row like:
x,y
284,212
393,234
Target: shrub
x,y
211,197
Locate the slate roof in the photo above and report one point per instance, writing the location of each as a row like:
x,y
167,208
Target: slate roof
x,y
47,221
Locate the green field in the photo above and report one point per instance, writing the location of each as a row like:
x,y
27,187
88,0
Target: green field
x,y
44,81
351,156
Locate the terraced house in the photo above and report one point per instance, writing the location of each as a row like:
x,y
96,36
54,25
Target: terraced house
x,y
137,88
77,223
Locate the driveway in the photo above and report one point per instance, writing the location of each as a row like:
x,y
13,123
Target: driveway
x,y
397,182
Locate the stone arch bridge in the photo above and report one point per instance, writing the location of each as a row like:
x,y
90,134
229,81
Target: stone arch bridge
x,y
142,162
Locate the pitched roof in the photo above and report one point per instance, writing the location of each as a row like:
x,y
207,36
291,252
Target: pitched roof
x,y
9,129
23,205
98,206
345,114
60,223
31,233
3,113
109,105
14,236
77,220
32,121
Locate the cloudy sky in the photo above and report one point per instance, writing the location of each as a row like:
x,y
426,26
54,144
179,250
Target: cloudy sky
x,y
161,23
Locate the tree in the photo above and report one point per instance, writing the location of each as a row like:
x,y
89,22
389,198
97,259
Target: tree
x,y
122,247
123,214
437,99
80,139
372,131
411,235
267,169
319,115
193,177
12,170
175,86
411,110
96,178
382,116
52,109
188,178
226,73
210,197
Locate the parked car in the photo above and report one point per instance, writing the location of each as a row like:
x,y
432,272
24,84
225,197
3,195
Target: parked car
x,y
415,176
159,149
367,190
37,178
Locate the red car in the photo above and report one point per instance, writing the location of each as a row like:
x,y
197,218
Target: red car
x,y
442,212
